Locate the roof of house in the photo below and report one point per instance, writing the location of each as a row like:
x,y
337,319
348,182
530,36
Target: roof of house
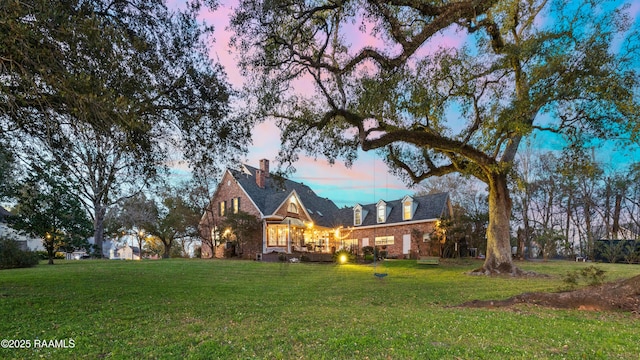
x,y
277,190
428,207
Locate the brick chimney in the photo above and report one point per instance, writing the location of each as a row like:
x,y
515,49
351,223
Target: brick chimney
x,y
264,166
262,173
260,178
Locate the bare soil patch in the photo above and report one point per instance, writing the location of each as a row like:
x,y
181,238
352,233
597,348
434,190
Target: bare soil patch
x,y
622,295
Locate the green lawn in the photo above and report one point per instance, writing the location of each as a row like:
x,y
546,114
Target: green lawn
x,y
208,309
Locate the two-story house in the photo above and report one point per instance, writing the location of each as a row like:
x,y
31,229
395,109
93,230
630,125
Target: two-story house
x,y
293,218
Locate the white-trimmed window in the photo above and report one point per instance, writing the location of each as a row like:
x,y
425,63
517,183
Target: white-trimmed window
x,y
407,208
293,208
357,216
222,211
384,240
381,212
293,205
277,235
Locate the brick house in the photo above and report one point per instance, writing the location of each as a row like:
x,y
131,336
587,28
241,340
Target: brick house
x,y
294,219
405,228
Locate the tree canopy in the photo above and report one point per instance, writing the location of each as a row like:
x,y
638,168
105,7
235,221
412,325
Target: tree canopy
x,y
523,67
116,66
46,208
114,90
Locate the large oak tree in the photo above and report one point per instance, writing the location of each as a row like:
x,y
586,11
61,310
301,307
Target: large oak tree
x,y
431,109
111,88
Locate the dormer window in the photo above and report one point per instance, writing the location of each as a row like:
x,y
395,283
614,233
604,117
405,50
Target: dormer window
x,y
382,211
408,208
358,215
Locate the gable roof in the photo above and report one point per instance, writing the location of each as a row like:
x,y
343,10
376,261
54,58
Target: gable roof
x,y
277,190
427,207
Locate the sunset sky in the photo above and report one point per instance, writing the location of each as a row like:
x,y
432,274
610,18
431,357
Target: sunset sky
x,y
368,180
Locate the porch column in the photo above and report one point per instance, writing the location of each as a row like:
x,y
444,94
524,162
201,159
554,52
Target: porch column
x,y
289,236
264,236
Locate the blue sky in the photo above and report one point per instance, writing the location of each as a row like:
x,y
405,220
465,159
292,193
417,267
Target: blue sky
x,y
368,180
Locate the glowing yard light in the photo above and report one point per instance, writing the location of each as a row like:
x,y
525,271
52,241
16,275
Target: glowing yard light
x,y
343,258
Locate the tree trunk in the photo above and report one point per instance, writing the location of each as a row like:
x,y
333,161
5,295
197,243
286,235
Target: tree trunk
x,y
50,252
167,249
98,228
499,259
616,216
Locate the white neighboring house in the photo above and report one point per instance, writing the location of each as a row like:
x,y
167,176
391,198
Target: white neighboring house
x,y
107,245
125,252
26,242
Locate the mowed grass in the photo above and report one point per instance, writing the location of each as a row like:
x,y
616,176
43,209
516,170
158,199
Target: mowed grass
x,y
214,309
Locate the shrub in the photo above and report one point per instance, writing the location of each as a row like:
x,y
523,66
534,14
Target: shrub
x,y
367,250
12,257
592,275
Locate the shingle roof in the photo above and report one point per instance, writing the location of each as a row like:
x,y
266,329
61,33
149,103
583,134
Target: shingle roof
x,y
432,206
277,189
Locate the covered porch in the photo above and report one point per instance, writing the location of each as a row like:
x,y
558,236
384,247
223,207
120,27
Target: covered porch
x,y
291,235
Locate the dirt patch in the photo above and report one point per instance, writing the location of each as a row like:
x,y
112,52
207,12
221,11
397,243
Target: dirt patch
x,y
623,295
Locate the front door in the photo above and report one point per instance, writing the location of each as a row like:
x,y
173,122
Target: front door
x,y
406,243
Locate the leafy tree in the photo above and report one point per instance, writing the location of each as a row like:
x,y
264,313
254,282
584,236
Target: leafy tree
x,y
130,66
47,208
153,246
104,168
244,227
177,220
612,250
470,214
173,219
110,86
548,66
133,216
632,252
548,239
7,173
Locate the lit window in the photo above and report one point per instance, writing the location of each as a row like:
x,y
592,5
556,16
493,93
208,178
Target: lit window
x,y
236,205
277,235
384,240
382,212
215,235
357,217
223,208
407,210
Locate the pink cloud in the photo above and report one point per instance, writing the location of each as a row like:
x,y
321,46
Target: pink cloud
x,y
368,180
